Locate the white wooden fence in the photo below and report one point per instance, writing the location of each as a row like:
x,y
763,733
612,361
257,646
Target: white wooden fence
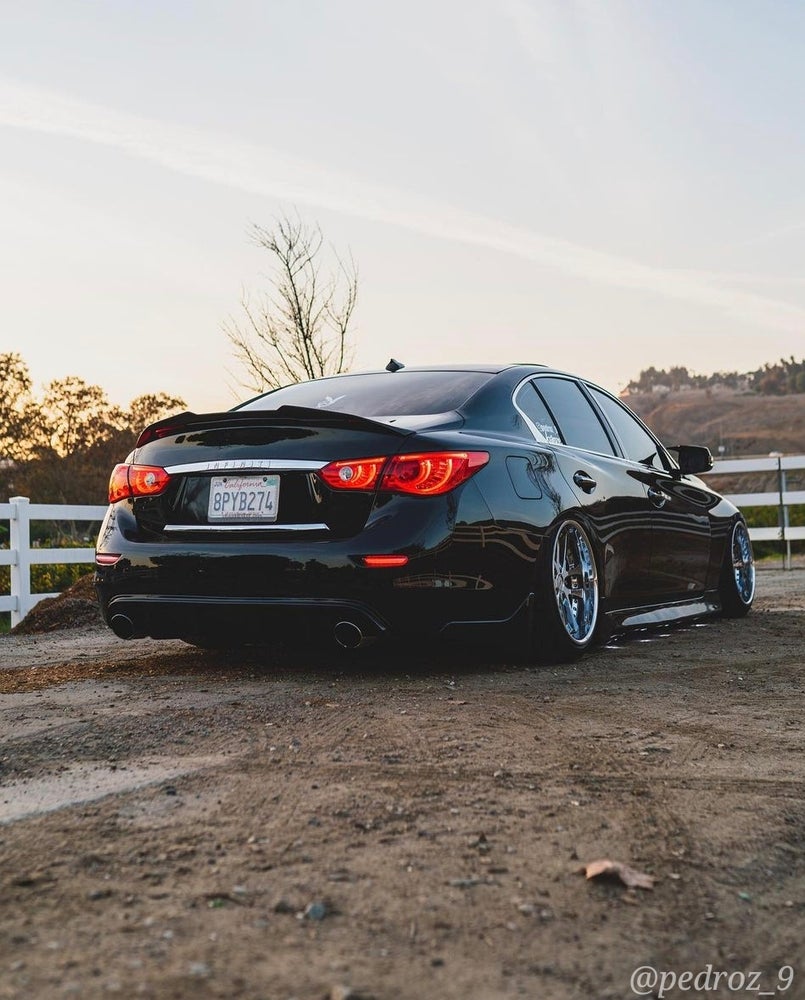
x,y
19,512
20,556
782,498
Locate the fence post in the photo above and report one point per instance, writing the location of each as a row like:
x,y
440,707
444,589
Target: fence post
x,y
786,516
782,512
20,544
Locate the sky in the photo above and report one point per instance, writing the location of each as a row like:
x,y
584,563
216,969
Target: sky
x,y
597,185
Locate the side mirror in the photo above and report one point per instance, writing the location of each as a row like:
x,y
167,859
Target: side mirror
x,y
692,459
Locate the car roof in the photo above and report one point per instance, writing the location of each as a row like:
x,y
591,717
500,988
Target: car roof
x,y
526,367
491,369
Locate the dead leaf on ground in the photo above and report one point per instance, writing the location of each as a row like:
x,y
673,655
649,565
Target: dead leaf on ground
x,y
630,877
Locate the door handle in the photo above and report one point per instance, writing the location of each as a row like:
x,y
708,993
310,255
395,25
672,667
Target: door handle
x,y
657,497
584,482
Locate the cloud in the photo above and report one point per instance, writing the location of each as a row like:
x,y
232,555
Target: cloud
x,y
261,170
793,228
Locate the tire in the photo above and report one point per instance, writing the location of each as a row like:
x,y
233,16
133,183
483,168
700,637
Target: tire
x,y
565,622
736,588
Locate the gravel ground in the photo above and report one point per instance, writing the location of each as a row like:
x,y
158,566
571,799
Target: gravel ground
x,y
285,824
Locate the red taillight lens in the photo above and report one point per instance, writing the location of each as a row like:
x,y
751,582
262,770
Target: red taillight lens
x,y
360,474
431,473
119,484
425,474
136,481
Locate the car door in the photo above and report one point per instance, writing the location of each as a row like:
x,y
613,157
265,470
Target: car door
x,y
681,542
614,501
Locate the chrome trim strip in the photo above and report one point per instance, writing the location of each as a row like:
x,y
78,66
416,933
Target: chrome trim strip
x,y
538,436
245,464
672,612
245,527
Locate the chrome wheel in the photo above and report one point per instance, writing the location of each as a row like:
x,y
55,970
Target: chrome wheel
x,y
743,564
575,582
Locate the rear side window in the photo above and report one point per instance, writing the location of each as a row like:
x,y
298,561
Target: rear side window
x,y
378,394
638,445
532,405
574,415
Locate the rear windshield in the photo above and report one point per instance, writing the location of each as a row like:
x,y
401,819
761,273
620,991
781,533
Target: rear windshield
x,y
379,394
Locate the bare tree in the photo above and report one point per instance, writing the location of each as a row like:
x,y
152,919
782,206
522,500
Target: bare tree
x,y
300,329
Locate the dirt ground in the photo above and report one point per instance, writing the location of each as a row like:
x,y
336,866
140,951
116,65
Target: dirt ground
x,y
404,824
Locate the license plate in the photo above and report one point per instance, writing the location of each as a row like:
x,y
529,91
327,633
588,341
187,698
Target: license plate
x,y
234,499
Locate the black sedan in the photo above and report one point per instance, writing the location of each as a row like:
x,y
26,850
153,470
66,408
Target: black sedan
x,y
512,502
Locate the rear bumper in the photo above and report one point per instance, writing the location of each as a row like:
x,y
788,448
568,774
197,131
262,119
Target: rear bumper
x,y
255,597
253,619
461,569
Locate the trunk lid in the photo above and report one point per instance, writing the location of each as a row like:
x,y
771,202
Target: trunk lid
x,y
256,471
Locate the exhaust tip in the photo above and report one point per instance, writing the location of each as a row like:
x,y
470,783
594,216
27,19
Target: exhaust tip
x,y
348,635
122,626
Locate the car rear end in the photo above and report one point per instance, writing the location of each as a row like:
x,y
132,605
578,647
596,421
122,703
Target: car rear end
x,y
253,524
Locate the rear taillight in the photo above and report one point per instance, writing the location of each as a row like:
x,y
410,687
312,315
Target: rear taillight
x,y
361,474
431,473
425,474
136,481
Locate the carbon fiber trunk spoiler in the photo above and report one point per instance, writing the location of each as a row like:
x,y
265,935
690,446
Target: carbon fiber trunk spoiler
x,y
285,416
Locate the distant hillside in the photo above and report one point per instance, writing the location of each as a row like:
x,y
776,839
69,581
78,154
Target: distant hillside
x,y
743,423
783,378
